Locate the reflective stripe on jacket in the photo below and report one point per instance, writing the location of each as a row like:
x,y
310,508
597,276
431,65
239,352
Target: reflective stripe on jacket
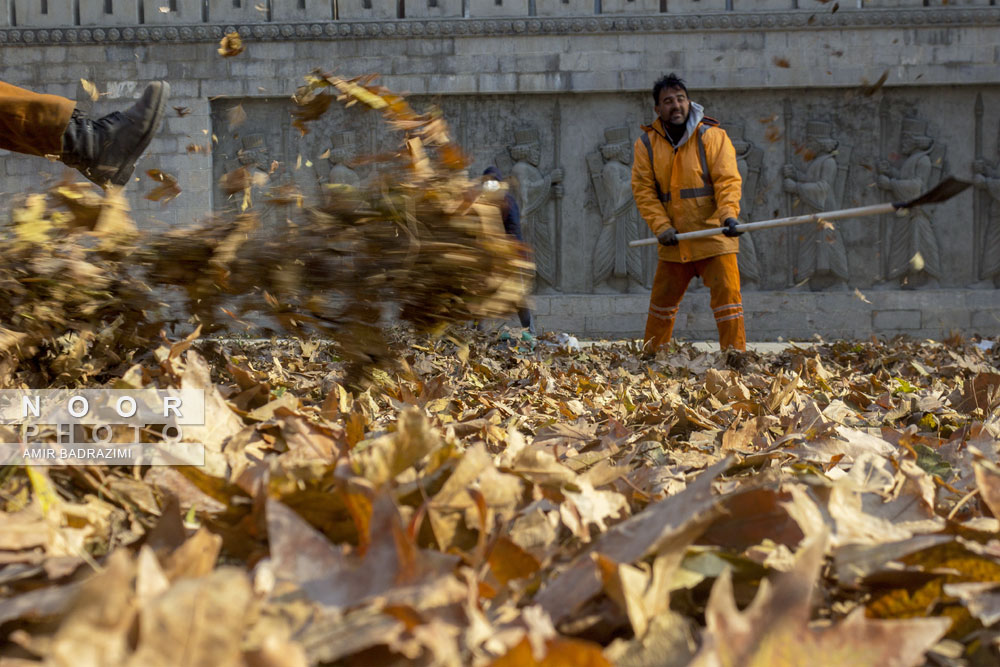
x,y
697,186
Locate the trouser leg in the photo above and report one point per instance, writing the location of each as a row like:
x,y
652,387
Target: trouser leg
x,y
32,123
722,276
524,314
669,284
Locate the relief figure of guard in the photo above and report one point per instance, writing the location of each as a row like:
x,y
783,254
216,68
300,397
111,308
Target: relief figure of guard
x,y
616,265
534,192
820,256
913,256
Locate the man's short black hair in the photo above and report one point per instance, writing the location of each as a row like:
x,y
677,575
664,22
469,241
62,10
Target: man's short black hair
x,y
669,81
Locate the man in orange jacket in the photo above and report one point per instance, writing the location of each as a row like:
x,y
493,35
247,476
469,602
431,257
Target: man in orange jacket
x,y
685,178
104,150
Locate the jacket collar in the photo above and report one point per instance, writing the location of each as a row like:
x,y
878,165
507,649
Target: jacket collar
x,y
695,116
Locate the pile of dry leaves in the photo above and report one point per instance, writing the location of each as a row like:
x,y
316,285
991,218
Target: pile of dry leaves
x,y
492,504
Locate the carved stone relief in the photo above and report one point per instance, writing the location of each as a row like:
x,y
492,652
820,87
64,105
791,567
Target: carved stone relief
x,y
987,179
581,242
820,257
913,249
749,160
307,161
616,265
986,206
536,193
342,151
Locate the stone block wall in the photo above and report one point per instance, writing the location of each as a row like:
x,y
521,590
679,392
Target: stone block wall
x,y
249,11
564,7
367,9
695,6
492,8
433,8
44,12
52,13
784,315
109,12
559,101
305,10
630,6
178,12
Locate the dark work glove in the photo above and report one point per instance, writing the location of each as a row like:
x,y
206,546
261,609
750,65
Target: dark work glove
x,y
730,225
667,237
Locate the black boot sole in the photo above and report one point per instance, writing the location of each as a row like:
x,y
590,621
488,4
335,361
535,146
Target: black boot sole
x,y
159,104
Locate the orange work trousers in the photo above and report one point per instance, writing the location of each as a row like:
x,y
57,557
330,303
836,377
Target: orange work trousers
x,y
32,123
722,276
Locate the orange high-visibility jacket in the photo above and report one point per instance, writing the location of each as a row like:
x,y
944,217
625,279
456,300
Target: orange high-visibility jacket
x,y
697,186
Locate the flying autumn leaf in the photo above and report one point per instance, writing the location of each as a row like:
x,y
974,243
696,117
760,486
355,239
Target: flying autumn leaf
x,y
869,89
236,116
235,181
309,109
167,188
90,89
231,45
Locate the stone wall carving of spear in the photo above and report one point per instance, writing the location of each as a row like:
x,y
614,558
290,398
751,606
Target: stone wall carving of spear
x,y
557,194
883,223
790,242
977,196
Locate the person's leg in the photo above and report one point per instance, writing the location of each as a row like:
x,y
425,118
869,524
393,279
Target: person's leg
x,y
722,276
32,123
527,321
669,284
104,150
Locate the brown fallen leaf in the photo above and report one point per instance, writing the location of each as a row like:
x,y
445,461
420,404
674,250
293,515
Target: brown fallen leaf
x,y
869,89
672,522
236,116
557,652
197,621
90,89
988,483
231,45
167,188
235,181
775,629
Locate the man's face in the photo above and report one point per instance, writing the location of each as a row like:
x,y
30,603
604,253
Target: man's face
x,y
673,106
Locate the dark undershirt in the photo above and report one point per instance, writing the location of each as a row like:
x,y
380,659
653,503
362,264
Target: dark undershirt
x,y
675,133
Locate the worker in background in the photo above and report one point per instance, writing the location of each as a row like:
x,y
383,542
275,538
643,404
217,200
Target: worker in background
x,y
685,178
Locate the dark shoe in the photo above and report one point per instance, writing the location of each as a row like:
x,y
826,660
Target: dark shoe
x,y
105,150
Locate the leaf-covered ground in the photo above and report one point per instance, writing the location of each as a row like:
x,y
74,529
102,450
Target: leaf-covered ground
x,y
500,502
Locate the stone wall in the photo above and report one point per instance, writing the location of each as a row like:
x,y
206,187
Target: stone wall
x,y
827,109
